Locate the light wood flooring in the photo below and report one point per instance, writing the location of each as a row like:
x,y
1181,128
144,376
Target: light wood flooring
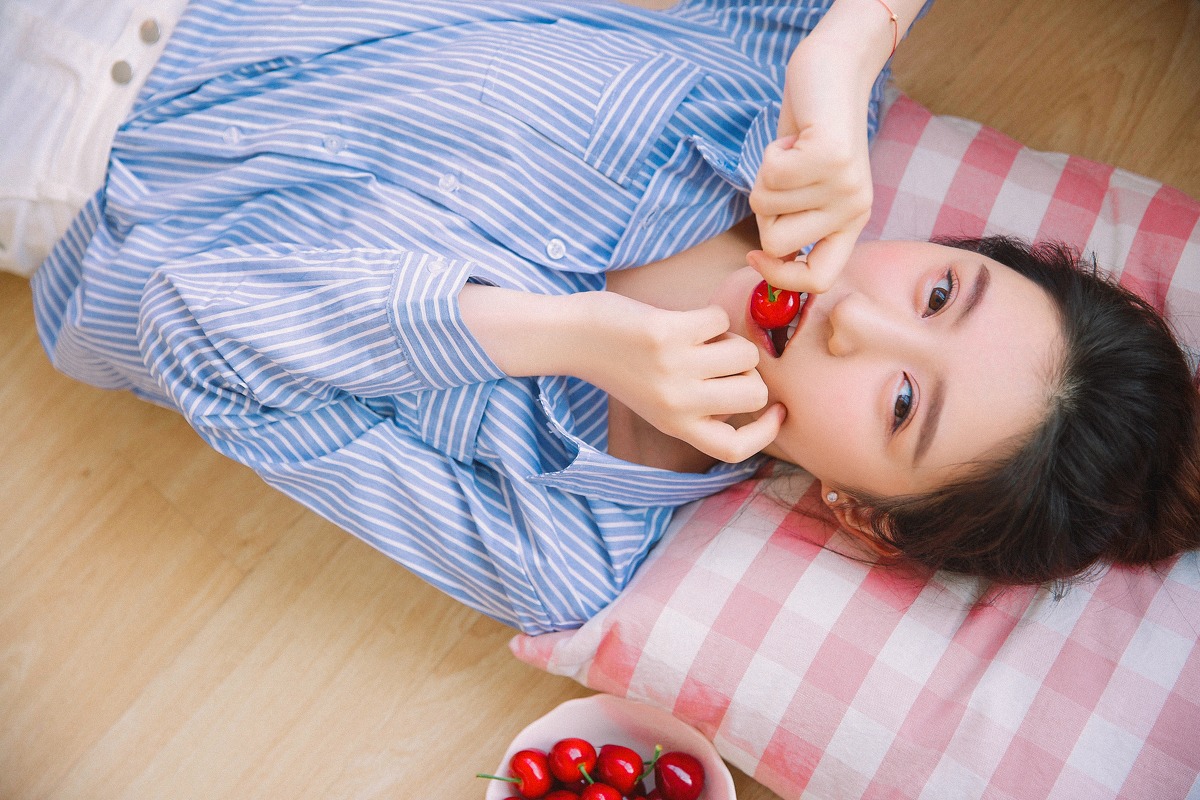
x,y
171,628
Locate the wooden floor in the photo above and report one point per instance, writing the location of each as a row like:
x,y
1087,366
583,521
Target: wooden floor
x,y
171,628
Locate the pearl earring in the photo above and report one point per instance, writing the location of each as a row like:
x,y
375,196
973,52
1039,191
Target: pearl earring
x,y
831,498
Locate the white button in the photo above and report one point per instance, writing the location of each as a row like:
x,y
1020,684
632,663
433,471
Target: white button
x,y
121,72
333,144
448,182
148,32
232,135
437,265
556,249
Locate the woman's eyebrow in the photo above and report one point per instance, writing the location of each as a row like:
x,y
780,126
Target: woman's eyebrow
x,y
933,412
937,394
983,278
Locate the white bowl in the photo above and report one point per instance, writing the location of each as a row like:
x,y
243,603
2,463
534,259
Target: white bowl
x,y
605,719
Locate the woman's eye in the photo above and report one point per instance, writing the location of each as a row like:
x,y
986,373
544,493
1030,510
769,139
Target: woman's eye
x,y
903,405
941,294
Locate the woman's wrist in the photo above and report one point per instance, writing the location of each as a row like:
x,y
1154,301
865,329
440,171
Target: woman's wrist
x,y
526,334
864,31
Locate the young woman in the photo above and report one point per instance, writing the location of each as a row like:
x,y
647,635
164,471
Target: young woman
x,y
470,280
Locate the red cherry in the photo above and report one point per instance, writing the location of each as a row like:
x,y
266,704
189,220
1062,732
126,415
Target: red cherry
x,y
773,308
600,791
530,772
568,755
562,794
679,776
619,767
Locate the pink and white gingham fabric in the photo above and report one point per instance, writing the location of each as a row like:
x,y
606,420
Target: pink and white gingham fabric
x,y
823,677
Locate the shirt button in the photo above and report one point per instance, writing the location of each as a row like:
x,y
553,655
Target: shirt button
x,y
232,135
333,144
448,182
556,249
437,265
121,72
148,32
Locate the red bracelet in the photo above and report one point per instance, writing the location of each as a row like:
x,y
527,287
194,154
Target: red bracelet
x,y
895,27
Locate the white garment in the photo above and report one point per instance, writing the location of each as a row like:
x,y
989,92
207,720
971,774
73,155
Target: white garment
x,y
72,69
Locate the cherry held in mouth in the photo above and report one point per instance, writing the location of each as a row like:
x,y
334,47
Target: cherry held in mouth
x,y
773,308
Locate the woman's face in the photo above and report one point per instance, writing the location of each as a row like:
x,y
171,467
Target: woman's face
x,y
920,361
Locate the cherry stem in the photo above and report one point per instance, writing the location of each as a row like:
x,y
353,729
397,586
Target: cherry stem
x,y
496,777
653,760
772,293
584,772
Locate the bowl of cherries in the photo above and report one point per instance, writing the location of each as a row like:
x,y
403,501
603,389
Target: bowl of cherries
x,y
608,748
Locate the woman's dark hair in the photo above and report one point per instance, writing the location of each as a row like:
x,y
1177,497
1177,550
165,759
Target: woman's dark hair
x,y
1112,474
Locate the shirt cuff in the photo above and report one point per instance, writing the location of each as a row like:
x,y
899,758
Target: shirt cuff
x,y
740,169
426,318
761,133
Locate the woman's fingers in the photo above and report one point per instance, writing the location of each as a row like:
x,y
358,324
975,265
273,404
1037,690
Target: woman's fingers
x,y
809,274
722,441
727,355
719,378
802,224
780,236
795,200
786,273
806,161
807,187
828,257
701,325
731,394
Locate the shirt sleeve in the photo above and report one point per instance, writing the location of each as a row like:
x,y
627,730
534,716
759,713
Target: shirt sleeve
x,y
266,349
291,329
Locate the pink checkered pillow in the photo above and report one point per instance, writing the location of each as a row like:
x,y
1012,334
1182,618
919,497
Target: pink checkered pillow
x,y
823,677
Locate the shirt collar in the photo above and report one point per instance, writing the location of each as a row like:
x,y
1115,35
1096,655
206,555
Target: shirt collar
x,y
596,474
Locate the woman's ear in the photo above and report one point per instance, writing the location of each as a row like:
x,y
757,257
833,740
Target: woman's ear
x,y
855,519
850,516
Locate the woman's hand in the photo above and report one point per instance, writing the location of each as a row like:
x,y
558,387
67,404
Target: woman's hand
x,y
681,371
814,186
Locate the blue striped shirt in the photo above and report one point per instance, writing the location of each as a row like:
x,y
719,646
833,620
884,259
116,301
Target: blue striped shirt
x,y
300,192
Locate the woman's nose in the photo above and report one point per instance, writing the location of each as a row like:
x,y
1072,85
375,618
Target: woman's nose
x,y
858,324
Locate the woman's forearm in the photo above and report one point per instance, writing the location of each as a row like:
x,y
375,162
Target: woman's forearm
x,y
598,336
